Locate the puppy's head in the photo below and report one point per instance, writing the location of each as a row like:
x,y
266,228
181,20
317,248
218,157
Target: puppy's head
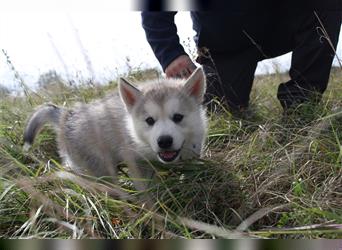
x,y
167,116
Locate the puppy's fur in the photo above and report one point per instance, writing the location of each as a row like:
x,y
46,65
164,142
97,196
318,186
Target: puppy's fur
x,y
164,120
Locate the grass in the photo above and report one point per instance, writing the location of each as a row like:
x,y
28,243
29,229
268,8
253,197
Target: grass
x,y
263,178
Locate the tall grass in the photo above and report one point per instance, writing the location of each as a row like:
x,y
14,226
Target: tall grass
x,y
266,177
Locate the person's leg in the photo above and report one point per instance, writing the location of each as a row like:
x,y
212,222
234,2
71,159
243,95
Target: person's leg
x,y
229,77
312,58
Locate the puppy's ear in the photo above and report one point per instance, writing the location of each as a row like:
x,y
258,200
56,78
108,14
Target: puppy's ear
x,y
128,93
195,85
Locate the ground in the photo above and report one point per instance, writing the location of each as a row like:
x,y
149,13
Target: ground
x,y
265,177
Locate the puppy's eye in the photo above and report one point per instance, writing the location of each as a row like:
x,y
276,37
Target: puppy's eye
x,y
150,121
177,118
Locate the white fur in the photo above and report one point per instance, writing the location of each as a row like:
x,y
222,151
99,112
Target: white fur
x,y
95,137
188,136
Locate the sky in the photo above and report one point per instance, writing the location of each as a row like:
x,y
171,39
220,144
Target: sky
x,y
61,36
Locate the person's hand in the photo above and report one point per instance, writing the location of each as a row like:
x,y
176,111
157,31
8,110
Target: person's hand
x,y
181,67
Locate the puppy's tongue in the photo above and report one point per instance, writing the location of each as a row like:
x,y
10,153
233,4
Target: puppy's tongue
x,y
168,155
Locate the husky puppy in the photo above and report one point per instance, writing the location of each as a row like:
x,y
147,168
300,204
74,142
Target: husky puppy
x,y
164,121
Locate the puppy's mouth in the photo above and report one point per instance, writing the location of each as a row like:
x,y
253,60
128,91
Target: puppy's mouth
x,y
168,156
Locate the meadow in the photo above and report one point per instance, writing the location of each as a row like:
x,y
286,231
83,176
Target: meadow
x,y
261,177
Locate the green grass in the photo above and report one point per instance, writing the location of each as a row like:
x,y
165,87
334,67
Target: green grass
x,y
265,177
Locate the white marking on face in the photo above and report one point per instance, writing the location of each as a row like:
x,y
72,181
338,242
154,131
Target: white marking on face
x,y
185,135
165,127
171,107
163,124
153,109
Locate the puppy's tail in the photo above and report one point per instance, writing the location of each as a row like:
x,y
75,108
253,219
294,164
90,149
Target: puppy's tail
x,y
46,114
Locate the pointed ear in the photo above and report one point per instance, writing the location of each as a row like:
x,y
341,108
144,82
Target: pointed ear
x,y
195,85
128,93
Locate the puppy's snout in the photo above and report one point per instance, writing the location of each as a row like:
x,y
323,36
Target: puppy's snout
x,y
165,141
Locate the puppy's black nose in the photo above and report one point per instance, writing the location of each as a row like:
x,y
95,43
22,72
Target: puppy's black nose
x,y
165,141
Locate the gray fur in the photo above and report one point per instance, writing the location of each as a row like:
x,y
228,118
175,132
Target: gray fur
x,y
93,138
48,113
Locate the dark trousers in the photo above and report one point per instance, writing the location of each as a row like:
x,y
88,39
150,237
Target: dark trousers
x,y
230,73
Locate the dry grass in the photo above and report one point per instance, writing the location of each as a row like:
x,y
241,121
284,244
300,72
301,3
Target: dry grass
x,y
260,178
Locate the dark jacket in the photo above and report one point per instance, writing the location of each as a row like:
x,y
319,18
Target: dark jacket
x,y
161,34
218,31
